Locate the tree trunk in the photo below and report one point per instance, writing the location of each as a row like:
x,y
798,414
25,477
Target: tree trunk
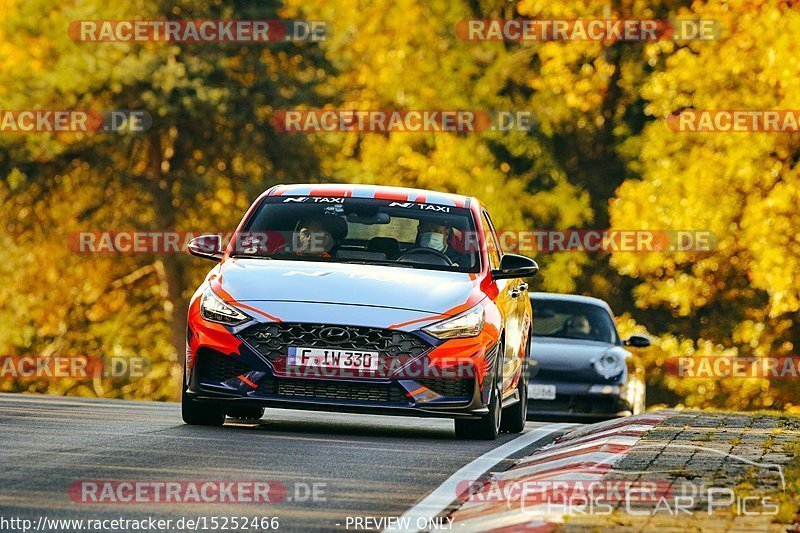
x,y
168,265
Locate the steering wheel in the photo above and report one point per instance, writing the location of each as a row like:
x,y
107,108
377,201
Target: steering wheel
x,y
421,250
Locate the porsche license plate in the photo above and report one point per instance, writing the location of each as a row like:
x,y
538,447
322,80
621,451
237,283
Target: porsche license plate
x,y
541,392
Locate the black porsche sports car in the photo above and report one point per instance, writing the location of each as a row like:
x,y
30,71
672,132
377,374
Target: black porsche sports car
x,y
579,367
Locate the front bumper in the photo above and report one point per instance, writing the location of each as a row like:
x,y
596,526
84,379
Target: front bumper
x,y
473,409
424,397
581,401
225,366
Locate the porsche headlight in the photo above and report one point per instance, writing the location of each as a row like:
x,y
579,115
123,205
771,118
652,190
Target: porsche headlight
x,y
215,310
609,365
467,324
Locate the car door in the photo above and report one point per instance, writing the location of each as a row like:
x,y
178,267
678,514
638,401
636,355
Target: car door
x,y
509,305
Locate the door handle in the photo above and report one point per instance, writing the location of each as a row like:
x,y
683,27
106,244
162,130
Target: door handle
x,y
519,289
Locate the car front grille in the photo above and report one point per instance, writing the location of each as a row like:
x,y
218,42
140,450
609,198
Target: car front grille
x,y
586,374
333,390
575,404
273,340
215,367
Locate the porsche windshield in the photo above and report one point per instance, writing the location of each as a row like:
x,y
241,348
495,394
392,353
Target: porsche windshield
x,y
361,230
573,320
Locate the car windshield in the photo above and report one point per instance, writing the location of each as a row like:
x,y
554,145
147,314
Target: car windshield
x,y
361,230
572,320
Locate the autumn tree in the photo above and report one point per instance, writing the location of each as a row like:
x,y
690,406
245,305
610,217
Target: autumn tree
x,y
210,151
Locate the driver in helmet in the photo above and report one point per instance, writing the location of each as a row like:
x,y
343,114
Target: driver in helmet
x,y
436,237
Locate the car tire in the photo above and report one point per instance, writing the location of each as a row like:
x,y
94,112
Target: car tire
x,y
486,427
195,413
514,417
246,413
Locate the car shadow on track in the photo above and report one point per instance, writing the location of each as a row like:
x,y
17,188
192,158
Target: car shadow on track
x,y
332,427
343,428
578,419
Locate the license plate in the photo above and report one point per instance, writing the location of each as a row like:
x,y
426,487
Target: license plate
x,y
333,358
541,392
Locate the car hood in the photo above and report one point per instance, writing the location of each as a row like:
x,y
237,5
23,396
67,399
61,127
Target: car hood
x,y
426,292
568,359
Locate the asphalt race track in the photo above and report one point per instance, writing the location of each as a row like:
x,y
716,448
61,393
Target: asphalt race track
x,y
361,465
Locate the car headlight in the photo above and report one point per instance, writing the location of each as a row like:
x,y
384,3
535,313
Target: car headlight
x,y
467,324
609,365
215,310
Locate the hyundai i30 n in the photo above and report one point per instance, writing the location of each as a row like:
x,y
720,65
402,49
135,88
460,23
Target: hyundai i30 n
x,y
361,299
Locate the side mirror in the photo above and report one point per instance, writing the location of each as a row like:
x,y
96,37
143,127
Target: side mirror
x,y
637,341
515,266
207,247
